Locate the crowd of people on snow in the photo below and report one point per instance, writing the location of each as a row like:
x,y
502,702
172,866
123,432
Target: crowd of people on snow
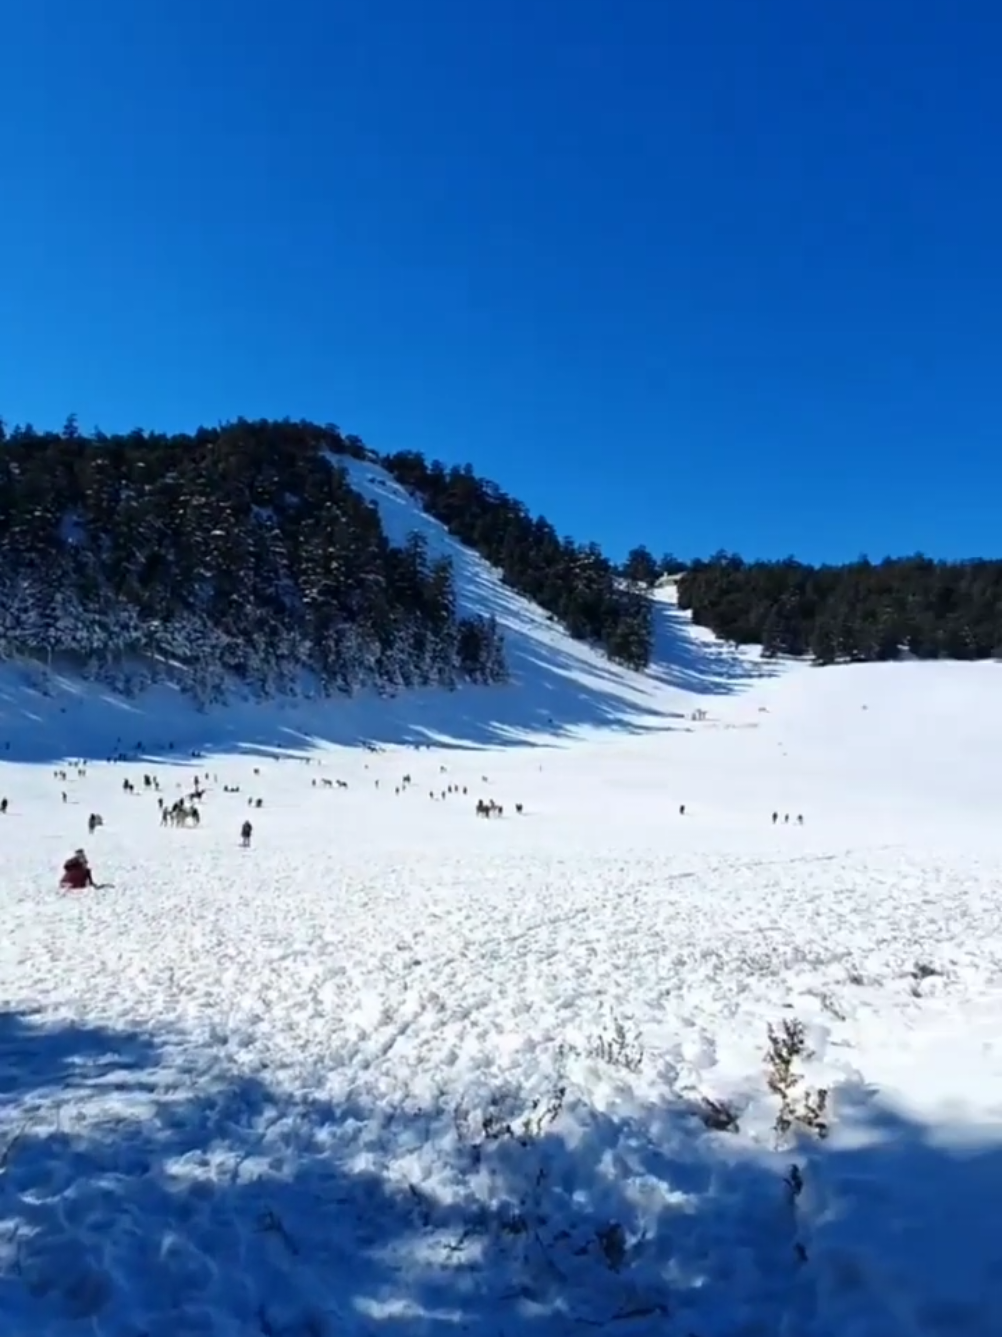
x,y
77,873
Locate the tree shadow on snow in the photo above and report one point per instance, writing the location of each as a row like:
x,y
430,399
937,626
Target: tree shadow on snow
x,y
706,667
45,719
37,1059
214,1201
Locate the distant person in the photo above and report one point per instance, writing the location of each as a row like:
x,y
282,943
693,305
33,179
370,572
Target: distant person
x,y
246,831
76,873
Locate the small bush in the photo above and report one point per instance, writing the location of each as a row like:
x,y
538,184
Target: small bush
x,y
718,1116
619,1050
797,1108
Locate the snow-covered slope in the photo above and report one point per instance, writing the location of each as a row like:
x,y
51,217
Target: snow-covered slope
x,y
685,657
402,1069
560,683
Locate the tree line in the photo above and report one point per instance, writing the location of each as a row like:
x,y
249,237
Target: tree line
x,y
860,611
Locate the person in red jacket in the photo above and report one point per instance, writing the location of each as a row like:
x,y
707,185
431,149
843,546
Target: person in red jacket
x,y
76,872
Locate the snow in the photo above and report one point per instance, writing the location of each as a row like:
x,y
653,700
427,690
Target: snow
x,y
402,1069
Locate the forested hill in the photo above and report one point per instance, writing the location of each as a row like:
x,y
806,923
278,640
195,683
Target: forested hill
x,y
239,554
861,611
242,553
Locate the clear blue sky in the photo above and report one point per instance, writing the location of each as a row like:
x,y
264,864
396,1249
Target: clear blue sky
x,y
694,274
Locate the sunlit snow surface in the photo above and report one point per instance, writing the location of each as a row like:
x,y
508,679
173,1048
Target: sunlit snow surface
x,y
365,1077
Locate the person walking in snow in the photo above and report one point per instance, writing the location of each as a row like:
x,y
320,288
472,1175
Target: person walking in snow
x,y
246,831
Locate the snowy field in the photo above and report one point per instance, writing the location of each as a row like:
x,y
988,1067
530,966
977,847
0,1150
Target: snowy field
x,y
399,1068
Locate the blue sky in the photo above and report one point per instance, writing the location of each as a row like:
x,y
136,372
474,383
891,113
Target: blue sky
x,y
703,275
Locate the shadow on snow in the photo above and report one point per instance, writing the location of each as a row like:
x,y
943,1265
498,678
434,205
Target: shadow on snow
x,y
557,688
142,1199
48,719
706,667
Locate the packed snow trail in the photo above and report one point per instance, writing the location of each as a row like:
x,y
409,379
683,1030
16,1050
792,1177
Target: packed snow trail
x,y
398,1067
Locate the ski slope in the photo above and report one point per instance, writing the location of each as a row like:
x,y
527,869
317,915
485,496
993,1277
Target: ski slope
x,y
400,1069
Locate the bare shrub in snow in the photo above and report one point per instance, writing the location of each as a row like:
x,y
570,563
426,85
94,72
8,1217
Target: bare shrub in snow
x,y
798,1106
518,1168
619,1050
719,1116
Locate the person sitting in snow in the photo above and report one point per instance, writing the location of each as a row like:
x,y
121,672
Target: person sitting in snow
x,y
76,873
